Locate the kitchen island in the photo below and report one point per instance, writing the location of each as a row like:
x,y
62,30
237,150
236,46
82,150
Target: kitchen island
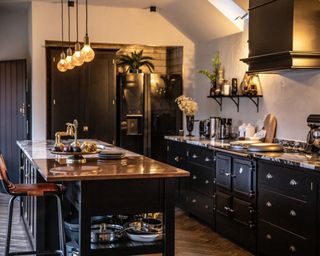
x,y
133,185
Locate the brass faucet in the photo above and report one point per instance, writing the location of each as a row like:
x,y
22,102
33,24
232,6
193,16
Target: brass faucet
x,y
72,130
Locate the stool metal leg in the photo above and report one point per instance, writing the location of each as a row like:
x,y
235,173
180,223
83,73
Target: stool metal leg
x,y
10,213
62,240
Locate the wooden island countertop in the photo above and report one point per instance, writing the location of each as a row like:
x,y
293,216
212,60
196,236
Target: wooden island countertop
x,y
55,168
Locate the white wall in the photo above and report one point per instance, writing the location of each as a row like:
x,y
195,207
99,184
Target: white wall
x,y
13,33
291,95
106,25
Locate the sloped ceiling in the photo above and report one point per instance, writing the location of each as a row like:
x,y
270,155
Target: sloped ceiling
x,y
197,19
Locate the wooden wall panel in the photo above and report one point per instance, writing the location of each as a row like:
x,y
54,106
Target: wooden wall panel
x,y
12,120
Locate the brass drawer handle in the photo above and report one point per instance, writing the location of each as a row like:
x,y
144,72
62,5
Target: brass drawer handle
x,y
194,156
227,174
268,236
292,248
194,201
241,170
293,213
269,176
207,159
206,206
177,158
194,177
269,204
293,183
206,182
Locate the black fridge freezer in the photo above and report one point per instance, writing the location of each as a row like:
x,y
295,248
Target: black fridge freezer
x,y
147,111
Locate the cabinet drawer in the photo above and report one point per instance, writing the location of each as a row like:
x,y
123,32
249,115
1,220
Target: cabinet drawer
x,y
223,171
285,180
223,203
243,177
200,156
243,212
273,241
294,215
201,206
175,153
201,179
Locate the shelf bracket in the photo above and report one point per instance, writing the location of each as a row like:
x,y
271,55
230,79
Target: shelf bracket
x,y
219,101
236,101
255,101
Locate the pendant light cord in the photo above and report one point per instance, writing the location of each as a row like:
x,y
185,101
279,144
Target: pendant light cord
x,y
77,21
69,23
86,17
62,25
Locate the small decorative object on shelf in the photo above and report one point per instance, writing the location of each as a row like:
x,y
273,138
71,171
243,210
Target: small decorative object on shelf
x,y
189,107
212,75
234,86
244,86
220,82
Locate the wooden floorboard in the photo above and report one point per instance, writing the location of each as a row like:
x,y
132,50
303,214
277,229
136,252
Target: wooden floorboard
x,y
192,237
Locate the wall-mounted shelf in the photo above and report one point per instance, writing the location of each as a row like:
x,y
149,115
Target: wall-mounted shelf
x,y
236,100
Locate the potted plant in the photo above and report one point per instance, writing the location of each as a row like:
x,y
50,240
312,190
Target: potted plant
x,y
133,62
212,75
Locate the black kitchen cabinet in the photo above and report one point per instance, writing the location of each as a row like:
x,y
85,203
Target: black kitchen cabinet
x,y
235,199
195,194
287,203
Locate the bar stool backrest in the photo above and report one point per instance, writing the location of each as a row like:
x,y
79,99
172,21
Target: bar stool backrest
x,y
6,183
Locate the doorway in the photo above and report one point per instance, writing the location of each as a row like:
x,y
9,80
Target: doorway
x,y
86,93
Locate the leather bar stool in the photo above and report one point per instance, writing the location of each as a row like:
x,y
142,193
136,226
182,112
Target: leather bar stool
x,y
38,190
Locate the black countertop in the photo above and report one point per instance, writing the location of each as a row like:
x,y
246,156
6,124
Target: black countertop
x,y
288,157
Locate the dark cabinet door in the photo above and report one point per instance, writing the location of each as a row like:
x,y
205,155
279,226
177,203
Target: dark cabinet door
x,y
243,177
287,212
223,171
243,212
223,203
14,111
86,93
273,241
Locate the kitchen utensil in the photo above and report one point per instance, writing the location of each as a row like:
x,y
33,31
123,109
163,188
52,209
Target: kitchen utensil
x,y
137,233
151,225
241,144
223,128
270,125
106,233
204,128
313,138
265,147
215,127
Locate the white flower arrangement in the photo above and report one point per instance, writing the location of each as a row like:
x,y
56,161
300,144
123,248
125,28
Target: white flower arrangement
x,y
187,105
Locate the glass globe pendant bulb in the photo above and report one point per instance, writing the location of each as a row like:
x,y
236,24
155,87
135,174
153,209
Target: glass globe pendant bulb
x,y
61,65
77,57
69,62
87,52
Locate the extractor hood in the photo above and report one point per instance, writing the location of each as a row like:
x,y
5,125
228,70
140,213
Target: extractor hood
x,y
283,34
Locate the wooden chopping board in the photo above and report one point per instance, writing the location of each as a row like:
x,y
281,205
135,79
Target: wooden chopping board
x,y
270,125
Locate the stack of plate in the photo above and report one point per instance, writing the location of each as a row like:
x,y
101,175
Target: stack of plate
x,y
111,155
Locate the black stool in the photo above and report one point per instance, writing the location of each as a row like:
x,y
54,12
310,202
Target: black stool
x,y
39,190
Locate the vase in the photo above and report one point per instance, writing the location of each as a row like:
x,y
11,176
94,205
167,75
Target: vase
x,y
190,124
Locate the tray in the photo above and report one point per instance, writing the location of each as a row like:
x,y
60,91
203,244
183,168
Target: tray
x,y
75,157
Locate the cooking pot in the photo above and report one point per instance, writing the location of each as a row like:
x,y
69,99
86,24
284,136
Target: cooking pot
x,y
151,225
106,233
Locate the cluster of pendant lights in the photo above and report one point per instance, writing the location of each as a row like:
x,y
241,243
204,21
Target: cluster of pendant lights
x,y
80,55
